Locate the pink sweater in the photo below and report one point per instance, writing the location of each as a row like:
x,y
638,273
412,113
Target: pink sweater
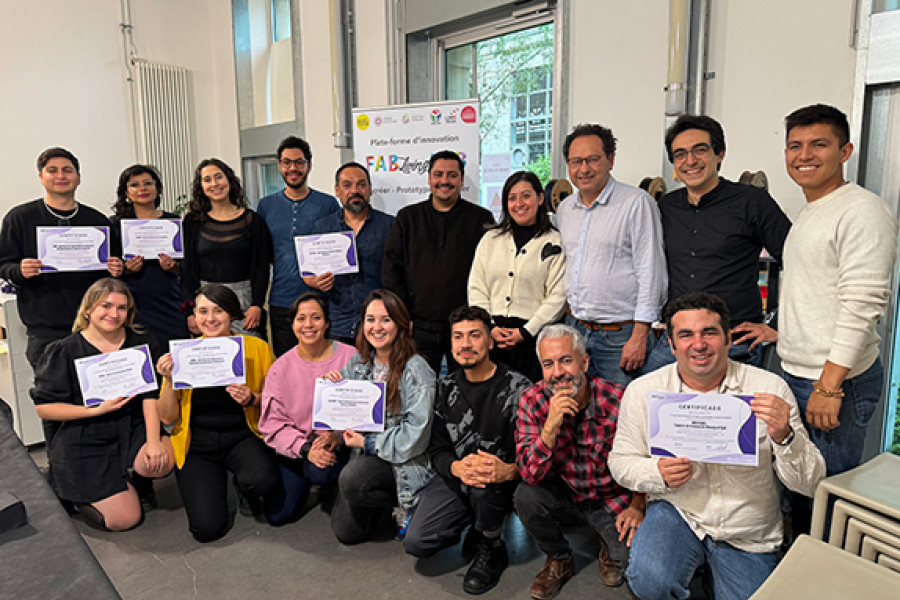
x,y
287,399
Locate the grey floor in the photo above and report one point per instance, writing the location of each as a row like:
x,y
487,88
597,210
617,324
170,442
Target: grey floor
x,y
160,559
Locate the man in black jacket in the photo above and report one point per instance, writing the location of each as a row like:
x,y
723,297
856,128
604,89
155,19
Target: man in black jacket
x,y
428,255
473,450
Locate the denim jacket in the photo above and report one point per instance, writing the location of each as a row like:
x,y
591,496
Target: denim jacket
x,y
406,434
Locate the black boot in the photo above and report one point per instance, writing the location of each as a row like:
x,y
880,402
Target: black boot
x,y
489,564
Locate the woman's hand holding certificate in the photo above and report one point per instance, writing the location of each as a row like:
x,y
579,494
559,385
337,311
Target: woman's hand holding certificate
x,y
115,375
207,362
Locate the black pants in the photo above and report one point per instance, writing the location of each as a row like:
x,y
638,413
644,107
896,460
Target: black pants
x,y
434,346
521,357
283,338
203,480
446,509
542,508
366,487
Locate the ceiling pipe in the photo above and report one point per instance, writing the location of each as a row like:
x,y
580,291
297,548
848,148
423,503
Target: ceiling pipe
x,y
341,130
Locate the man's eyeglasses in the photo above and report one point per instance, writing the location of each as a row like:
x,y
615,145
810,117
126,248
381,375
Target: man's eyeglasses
x,y
287,163
577,161
700,151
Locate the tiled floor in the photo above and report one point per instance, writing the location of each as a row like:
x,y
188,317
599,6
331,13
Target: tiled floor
x,y
160,559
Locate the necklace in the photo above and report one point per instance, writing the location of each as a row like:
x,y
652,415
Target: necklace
x,y
63,219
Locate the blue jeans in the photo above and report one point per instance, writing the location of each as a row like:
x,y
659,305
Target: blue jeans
x,y
842,447
605,351
662,354
665,554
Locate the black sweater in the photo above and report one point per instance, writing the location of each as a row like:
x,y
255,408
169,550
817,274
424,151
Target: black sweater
x,y
259,259
428,255
48,302
475,416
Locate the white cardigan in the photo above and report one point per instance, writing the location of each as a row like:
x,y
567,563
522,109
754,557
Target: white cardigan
x,y
528,284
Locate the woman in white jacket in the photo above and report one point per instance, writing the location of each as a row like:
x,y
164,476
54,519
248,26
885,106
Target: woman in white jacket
x,y
517,274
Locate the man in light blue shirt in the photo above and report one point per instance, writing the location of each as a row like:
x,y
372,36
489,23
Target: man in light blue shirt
x,y
615,266
289,213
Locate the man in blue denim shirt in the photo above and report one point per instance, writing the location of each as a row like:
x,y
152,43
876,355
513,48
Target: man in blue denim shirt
x,y
291,212
346,292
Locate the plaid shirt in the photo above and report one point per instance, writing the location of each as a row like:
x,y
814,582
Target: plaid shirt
x,y
582,445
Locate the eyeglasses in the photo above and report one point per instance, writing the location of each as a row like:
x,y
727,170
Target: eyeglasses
x,y
699,151
287,163
577,161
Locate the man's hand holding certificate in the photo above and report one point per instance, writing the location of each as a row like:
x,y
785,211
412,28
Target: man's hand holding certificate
x,y
327,253
349,404
115,374
72,248
207,362
712,428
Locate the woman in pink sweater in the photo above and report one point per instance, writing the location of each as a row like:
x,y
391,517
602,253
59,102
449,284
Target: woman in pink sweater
x,y
306,457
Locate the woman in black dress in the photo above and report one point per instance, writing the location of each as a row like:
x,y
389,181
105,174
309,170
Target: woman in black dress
x,y
226,242
153,280
92,449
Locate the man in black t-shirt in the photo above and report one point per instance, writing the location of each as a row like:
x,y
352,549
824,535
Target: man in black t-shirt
x,y
48,301
473,450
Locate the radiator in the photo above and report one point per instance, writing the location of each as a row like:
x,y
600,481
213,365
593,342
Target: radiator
x,y
165,126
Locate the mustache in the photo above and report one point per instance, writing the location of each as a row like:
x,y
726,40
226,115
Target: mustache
x,y
555,381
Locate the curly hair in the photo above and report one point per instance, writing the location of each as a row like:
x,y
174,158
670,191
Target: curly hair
x,y
200,205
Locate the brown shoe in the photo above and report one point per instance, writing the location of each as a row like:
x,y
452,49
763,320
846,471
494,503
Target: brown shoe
x,y
610,574
552,577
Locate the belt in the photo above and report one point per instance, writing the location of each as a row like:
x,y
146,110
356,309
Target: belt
x,y
592,326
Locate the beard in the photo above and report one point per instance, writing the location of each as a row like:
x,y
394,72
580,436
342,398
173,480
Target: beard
x,y
575,384
296,186
355,208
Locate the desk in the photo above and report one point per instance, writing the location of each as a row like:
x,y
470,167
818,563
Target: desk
x,y
47,558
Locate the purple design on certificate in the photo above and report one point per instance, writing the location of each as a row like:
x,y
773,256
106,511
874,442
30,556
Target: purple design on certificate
x,y
151,237
327,253
73,248
207,362
125,372
349,404
712,428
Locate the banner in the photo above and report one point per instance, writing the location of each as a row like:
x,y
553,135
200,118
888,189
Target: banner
x,y
395,143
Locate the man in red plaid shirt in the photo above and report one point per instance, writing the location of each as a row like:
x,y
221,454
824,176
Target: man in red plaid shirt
x,y
564,431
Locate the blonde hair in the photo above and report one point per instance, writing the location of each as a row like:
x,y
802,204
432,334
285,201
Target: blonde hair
x,y
96,294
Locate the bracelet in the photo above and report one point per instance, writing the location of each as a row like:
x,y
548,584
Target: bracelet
x,y
838,393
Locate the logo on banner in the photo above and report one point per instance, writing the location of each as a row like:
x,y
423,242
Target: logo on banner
x,y
378,121
468,114
406,119
451,116
362,121
436,115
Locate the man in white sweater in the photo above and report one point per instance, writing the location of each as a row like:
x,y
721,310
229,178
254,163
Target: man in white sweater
x,y
838,260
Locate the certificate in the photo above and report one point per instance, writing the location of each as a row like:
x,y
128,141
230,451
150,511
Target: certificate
x,y
121,373
327,253
207,362
712,428
73,248
349,404
151,237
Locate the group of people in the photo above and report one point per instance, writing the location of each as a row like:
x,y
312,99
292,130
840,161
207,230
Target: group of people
x,y
545,331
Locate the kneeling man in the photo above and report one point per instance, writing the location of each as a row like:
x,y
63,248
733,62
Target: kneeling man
x,y
564,431
473,450
727,517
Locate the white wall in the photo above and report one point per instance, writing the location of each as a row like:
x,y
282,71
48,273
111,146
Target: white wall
x,y
769,57
64,84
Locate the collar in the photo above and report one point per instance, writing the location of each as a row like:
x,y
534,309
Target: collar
x,y
601,200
